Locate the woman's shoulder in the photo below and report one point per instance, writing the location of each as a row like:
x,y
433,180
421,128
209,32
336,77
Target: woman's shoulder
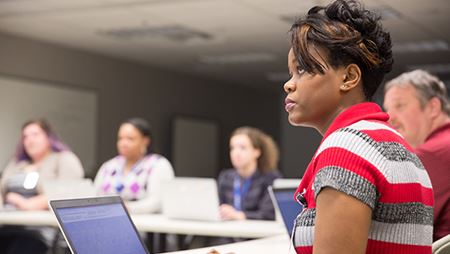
x,y
270,176
112,163
227,173
69,155
364,134
14,166
274,174
154,159
156,162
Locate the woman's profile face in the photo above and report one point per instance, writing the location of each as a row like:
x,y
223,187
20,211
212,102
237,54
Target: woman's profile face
x,y
242,152
35,141
312,98
130,142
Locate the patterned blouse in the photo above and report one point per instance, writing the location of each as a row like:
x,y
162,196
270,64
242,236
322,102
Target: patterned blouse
x,y
141,187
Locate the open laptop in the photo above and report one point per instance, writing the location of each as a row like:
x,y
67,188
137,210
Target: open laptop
x,y
284,203
99,225
191,199
68,188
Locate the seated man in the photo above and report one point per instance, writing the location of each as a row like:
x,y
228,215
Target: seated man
x,y
419,109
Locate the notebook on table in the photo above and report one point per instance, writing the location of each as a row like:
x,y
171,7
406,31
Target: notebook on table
x,y
191,198
97,225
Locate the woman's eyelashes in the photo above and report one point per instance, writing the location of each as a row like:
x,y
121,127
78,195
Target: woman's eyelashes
x,y
299,72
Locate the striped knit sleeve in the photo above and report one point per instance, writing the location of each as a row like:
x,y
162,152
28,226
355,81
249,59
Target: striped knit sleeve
x,y
347,161
365,158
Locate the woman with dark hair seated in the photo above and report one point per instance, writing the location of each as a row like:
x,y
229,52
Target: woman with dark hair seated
x,y
136,173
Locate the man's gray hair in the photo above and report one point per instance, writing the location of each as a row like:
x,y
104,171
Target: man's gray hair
x,y
426,85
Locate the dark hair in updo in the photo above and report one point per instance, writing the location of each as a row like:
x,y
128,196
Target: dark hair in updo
x,y
349,34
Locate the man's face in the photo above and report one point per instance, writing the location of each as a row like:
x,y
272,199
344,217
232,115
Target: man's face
x,y
407,114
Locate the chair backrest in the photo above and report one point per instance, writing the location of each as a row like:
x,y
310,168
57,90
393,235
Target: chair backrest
x,y
285,205
442,246
286,182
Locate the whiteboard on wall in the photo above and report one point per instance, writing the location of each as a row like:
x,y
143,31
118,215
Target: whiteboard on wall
x,y
195,147
71,112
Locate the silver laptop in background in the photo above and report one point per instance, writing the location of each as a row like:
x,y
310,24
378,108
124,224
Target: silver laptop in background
x,y
191,199
68,188
99,225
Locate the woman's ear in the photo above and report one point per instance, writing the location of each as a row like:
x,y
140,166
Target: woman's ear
x,y
146,143
257,153
351,77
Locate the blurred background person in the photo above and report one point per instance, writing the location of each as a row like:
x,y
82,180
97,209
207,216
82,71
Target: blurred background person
x,y
419,109
243,189
136,173
40,156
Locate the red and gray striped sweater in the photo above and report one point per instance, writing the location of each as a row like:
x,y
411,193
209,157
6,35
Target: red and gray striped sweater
x,y
362,156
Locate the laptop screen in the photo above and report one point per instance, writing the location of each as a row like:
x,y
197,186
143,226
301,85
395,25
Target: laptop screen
x,y
99,228
288,207
197,196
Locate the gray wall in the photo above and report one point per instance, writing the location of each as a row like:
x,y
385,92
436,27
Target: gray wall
x,y
128,89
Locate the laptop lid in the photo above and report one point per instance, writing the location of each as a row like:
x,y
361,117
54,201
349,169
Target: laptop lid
x,y
97,225
191,199
283,201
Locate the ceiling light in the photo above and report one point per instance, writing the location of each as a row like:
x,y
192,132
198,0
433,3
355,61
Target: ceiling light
x,y
171,32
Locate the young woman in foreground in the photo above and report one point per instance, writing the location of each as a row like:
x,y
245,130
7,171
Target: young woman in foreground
x,y
364,191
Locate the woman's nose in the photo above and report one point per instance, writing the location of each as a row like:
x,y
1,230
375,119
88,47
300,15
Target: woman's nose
x,y
289,86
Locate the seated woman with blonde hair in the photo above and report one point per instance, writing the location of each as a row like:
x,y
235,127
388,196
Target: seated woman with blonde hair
x,y
243,189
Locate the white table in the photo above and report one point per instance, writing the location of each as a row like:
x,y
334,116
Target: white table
x,y
159,223
271,245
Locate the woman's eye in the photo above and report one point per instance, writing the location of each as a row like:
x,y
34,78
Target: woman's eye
x,y
300,71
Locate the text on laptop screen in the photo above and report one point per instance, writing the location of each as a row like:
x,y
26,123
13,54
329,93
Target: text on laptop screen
x,y
289,208
100,229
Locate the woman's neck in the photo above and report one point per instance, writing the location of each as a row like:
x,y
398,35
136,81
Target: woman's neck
x,y
130,162
247,171
38,159
350,101
326,124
